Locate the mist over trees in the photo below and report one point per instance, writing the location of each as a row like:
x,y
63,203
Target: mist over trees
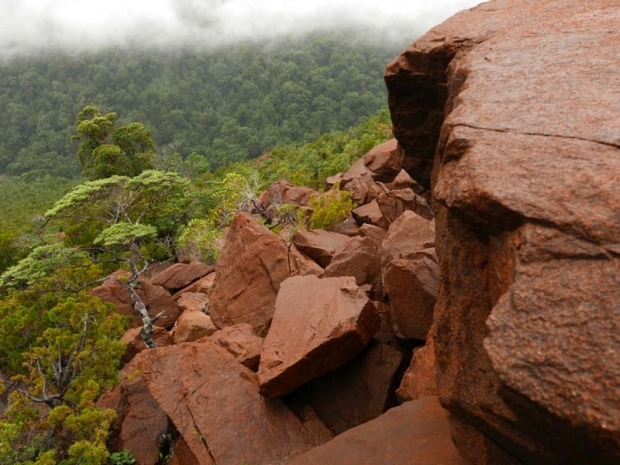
x,y
228,104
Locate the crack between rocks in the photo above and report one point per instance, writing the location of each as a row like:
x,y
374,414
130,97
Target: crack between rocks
x,y
608,144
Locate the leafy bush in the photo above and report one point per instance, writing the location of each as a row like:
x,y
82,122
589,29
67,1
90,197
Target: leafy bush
x,y
330,208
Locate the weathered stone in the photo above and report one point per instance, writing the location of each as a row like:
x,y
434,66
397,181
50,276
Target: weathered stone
x,y
419,379
114,292
183,455
180,275
406,236
319,244
404,181
135,343
359,391
214,403
192,326
349,227
241,342
282,192
393,203
358,181
318,326
415,433
528,225
358,258
192,302
203,285
385,160
158,301
374,232
139,420
300,265
253,263
371,214
411,287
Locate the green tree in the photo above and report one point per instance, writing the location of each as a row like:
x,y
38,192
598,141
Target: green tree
x,y
107,150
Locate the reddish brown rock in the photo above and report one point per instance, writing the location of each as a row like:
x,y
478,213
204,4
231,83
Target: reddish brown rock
x,y
385,160
158,301
203,285
393,203
192,302
135,343
241,342
527,234
374,232
406,236
404,181
139,421
359,391
349,227
419,379
253,263
192,326
358,258
371,214
411,287
358,181
282,192
319,244
180,275
300,265
183,455
318,325
114,292
416,433
214,403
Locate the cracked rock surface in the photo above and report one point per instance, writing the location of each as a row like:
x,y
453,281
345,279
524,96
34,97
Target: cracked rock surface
x,y
510,111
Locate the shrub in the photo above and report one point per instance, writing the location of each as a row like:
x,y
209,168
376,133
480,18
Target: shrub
x,y
330,208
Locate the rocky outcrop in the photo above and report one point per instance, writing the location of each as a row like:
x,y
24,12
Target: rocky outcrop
x,y
416,433
420,378
241,342
318,325
319,245
180,275
510,111
214,403
253,263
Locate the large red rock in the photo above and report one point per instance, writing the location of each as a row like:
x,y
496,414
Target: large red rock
x,y
358,181
370,213
282,192
140,420
420,379
393,203
527,220
300,265
192,326
407,236
359,391
411,287
318,326
180,275
241,342
415,433
203,285
114,292
358,258
319,244
252,264
135,343
385,160
213,402
192,302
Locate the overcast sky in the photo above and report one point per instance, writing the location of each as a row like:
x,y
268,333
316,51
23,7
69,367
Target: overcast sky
x,y
33,25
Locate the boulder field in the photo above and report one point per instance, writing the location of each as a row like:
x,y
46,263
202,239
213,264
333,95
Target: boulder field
x,y
468,311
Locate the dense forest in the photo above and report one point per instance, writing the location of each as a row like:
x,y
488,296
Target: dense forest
x,y
227,104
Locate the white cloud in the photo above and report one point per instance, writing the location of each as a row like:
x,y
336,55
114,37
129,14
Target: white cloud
x,y
30,25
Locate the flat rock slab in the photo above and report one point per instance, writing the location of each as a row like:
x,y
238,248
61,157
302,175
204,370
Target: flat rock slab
x,y
214,403
416,433
253,263
241,342
319,245
318,326
180,275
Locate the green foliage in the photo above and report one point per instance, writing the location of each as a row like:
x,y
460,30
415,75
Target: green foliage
x,y
69,349
200,240
123,457
330,208
228,104
107,150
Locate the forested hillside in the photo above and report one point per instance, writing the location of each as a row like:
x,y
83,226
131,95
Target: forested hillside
x,y
227,104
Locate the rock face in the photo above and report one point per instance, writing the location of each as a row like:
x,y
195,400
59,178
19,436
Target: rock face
x,y
510,112
253,263
416,433
318,325
214,404
319,245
